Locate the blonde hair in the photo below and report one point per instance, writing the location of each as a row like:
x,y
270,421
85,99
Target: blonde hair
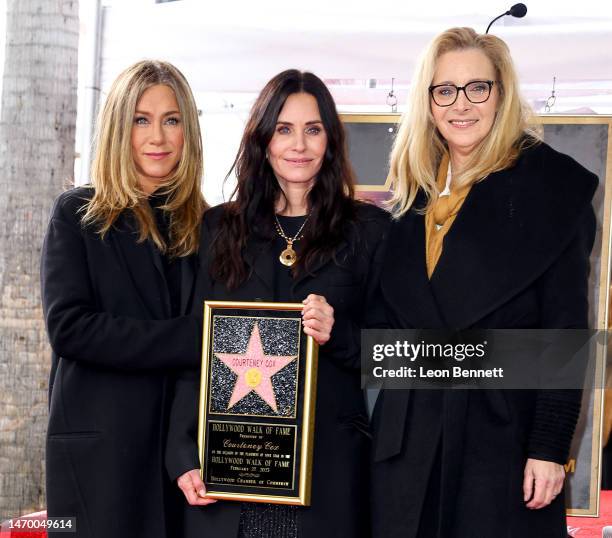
x,y
419,147
113,171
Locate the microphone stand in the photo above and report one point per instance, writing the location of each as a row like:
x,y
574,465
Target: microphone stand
x,y
496,19
517,10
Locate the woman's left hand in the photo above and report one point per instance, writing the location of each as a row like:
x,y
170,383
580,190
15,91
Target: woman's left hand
x,y
318,316
543,481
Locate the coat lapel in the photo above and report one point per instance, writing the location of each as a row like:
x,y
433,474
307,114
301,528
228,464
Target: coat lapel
x,y
163,292
511,228
147,276
475,271
189,269
260,258
304,278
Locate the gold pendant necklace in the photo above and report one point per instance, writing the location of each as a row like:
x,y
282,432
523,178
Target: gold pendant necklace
x,y
288,256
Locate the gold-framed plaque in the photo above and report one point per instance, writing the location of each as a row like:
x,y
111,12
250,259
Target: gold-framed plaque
x,y
257,403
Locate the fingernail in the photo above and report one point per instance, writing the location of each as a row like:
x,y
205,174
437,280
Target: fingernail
x,y
202,493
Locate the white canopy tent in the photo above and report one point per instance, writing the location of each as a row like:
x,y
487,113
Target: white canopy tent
x,y
238,46
229,50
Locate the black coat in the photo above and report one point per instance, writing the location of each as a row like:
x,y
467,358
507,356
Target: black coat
x,y
339,504
517,256
106,308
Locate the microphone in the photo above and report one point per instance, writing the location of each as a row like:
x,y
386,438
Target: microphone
x,y
517,10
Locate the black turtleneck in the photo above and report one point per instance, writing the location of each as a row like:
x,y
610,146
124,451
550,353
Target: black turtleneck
x,y
172,269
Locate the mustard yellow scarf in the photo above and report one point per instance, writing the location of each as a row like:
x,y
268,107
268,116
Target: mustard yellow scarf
x,y
440,217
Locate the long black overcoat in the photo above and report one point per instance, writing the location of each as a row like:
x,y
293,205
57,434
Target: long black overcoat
x,y
339,505
517,256
107,312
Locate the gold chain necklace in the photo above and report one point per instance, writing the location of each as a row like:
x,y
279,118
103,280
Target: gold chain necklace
x,y
288,256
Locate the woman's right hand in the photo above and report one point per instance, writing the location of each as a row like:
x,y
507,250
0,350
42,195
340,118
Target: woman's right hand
x,y
193,488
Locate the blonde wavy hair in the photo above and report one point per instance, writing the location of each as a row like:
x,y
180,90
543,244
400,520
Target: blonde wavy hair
x,y
418,147
113,171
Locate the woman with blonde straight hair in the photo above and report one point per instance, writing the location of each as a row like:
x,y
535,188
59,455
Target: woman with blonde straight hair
x,y
118,266
493,229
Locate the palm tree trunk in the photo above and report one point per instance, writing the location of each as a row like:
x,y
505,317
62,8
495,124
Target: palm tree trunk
x,y
37,129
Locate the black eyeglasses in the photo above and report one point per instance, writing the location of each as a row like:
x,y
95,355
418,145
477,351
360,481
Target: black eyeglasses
x,y
476,92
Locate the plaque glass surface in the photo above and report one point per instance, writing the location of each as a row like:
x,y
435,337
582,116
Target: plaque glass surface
x,y
257,402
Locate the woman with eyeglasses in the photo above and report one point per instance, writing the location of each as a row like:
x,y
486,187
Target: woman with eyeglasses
x,y
493,230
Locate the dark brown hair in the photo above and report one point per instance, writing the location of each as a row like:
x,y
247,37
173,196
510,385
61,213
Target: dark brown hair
x,y
251,210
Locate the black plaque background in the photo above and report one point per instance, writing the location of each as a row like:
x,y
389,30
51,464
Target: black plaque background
x,y
247,458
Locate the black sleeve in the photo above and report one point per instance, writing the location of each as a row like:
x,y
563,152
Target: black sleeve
x,y
563,298
182,441
344,344
181,444
79,331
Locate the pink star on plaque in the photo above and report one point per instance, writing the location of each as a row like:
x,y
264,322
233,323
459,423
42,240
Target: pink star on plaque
x,y
254,370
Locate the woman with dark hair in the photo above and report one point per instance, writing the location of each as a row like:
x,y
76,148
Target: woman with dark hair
x,y
292,233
